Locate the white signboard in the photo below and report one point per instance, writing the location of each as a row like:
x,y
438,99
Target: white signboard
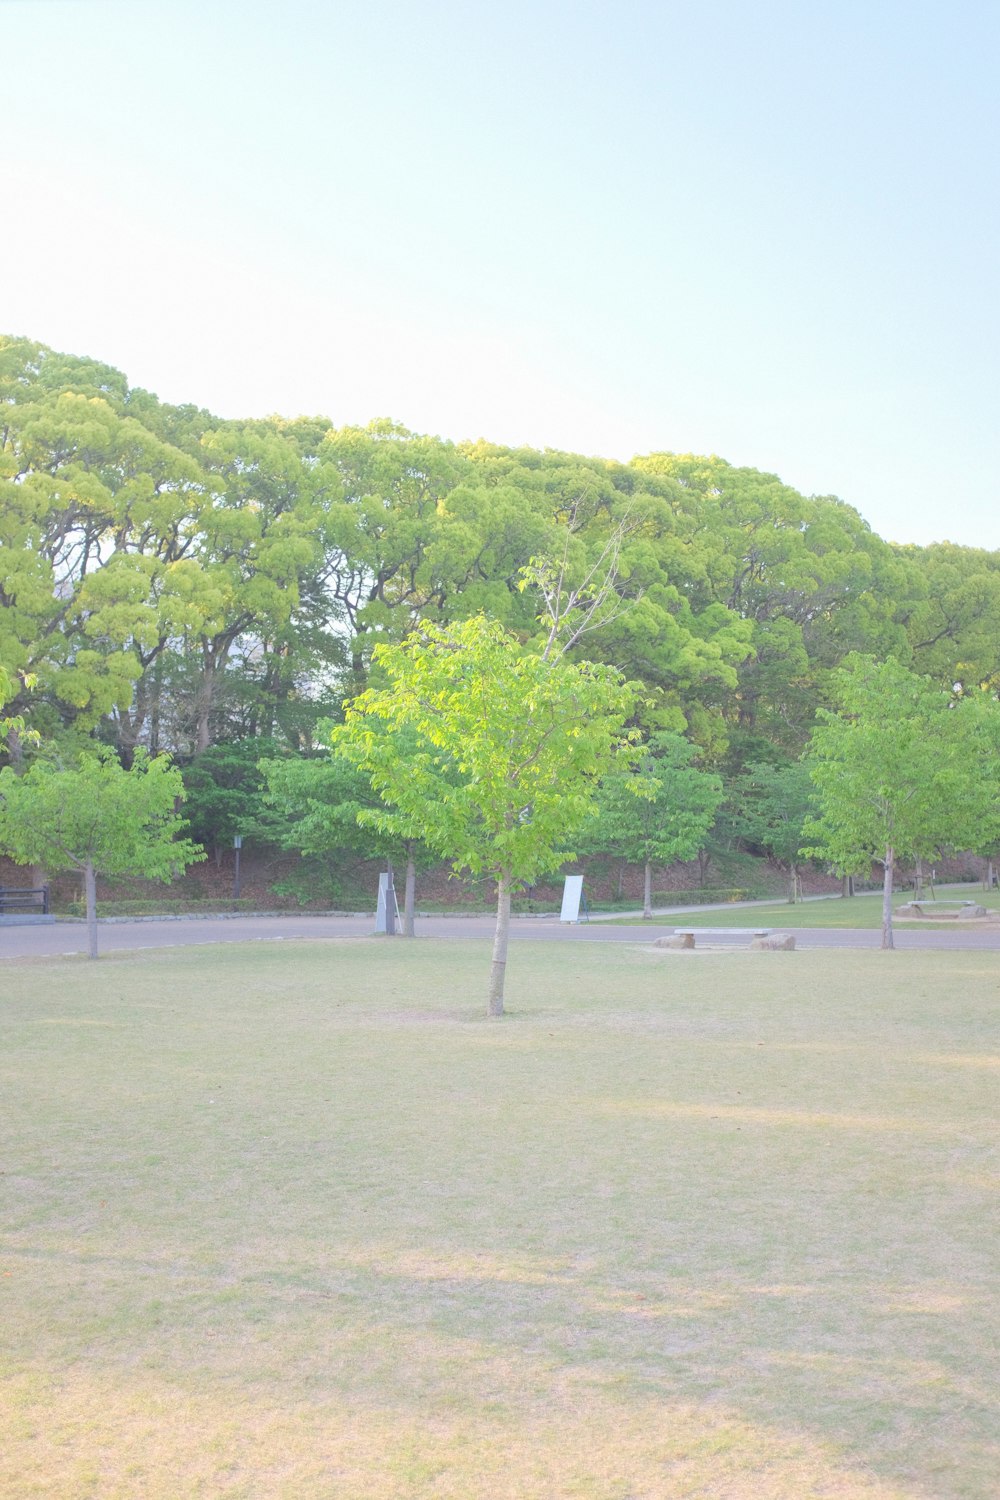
x,y
572,893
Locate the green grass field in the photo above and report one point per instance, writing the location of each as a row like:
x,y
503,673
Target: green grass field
x,y
285,1221
858,911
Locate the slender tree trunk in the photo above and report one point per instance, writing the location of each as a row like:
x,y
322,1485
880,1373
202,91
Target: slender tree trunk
x,y
499,968
15,749
154,712
890,856
214,656
358,669
130,722
918,879
144,707
410,895
847,886
622,864
793,885
647,892
206,691
90,895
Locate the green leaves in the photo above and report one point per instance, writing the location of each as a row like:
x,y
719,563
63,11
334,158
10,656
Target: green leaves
x,y
892,768
769,805
175,579
901,770
485,751
661,811
120,822
317,801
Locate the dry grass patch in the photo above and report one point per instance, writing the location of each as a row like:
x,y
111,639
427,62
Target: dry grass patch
x,y
295,1221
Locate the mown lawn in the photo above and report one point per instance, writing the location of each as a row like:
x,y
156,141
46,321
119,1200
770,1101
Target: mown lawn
x,y
294,1220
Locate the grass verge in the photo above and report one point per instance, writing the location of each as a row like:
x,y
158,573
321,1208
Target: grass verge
x,y
293,1220
863,911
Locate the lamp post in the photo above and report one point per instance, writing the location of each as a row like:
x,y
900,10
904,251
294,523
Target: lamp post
x,y
237,845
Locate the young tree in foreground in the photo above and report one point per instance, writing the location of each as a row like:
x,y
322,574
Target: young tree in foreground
x,y
659,813
488,752
891,774
97,819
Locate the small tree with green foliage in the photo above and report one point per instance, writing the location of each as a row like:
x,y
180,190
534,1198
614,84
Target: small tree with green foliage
x,y
659,812
223,788
97,819
768,806
979,734
891,775
490,752
314,803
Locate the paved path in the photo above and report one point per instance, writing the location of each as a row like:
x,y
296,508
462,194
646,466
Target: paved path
x,y
71,937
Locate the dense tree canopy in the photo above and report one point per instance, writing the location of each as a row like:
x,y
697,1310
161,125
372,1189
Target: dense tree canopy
x,y
176,582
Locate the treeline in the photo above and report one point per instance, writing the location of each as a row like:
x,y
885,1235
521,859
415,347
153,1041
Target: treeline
x,y
173,581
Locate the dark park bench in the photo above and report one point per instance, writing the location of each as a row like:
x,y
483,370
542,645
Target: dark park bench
x,y
24,903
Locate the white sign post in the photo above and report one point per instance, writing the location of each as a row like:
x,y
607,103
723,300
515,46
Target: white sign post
x,y
387,911
572,895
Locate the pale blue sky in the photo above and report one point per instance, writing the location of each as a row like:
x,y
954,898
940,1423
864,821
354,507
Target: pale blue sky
x,y
765,230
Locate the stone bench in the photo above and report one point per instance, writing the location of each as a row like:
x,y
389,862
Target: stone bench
x,y
942,910
761,938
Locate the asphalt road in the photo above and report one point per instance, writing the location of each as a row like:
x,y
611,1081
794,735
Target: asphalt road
x,y
63,938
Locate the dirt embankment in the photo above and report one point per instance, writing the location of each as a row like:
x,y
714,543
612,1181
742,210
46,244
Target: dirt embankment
x,y
353,886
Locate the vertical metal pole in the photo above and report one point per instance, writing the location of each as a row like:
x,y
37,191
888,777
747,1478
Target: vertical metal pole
x,y
237,845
